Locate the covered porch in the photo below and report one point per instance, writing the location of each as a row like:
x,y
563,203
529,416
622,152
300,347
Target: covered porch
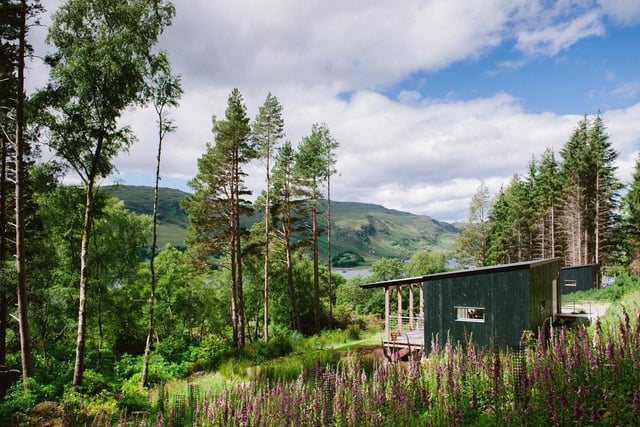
x,y
404,323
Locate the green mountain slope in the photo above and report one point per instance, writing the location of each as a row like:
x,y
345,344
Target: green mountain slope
x,y
172,219
373,231
362,232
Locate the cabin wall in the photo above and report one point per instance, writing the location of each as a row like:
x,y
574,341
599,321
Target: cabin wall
x,y
580,278
503,295
545,294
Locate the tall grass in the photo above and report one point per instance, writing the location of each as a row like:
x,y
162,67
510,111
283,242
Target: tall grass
x,y
577,377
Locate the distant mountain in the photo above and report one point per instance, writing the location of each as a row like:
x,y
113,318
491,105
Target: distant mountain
x,y
172,219
362,232
373,232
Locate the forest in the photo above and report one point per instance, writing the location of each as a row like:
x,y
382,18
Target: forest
x,y
98,319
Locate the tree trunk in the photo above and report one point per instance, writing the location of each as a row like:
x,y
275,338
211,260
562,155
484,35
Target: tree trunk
x,y
78,370
266,251
295,320
154,242
329,249
316,279
4,297
240,292
553,231
25,341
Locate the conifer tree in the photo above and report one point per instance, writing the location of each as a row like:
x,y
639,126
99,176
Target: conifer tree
x,y
313,167
590,193
268,130
287,217
215,232
606,195
574,210
471,243
548,186
631,208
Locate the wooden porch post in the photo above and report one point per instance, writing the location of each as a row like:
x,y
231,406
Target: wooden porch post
x,y
411,324
422,314
399,289
387,316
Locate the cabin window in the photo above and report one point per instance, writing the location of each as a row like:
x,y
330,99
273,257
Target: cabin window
x,y
469,314
570,282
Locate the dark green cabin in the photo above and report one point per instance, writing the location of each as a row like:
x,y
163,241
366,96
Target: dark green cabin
x,y
580,278
494,305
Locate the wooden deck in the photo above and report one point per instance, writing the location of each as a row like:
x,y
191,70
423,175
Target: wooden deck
x,y
408,339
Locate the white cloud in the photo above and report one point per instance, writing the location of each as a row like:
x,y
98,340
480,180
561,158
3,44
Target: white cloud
x,y
626,12
560,36
352,44
421,155
628,89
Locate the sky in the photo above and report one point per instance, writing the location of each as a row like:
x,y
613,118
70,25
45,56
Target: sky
x,y
427,99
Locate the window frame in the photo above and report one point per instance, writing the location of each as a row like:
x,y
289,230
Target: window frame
x,y
466,309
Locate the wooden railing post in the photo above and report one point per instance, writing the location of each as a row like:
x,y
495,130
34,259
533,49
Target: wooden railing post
x,y
412,326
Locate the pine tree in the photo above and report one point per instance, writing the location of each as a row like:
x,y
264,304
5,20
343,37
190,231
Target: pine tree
x,y
287,217
313,167
606,194
215,232
15,19
590,193
471,243
631,205
512,224
268,130
547,187
574,172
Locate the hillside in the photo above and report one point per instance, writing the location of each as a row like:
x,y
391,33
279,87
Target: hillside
x,y
172,219
362,232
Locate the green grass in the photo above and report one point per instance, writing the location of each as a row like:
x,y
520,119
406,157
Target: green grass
x,y
171,233
624,283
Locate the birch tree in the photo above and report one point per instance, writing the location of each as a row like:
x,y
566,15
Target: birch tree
x,y
164,91
104,52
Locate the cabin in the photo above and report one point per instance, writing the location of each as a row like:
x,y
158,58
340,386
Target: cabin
x,y
492,305
580,278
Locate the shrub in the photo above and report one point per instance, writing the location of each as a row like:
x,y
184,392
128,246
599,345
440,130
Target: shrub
x,y
93,382
209,354
277,346
19,400
132,401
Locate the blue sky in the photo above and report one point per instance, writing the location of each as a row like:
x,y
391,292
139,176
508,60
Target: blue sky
x,y
427,100
588,77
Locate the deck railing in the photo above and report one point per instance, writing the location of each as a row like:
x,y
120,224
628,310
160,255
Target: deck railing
x,y
405,324
404,333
